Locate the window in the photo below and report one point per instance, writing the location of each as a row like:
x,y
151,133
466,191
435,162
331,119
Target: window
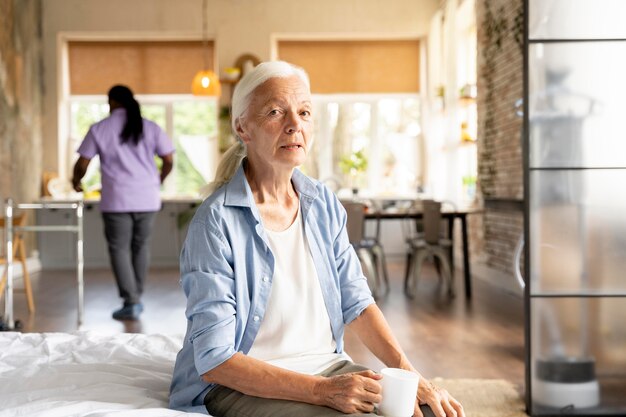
x,y
190,122
367,117
369,142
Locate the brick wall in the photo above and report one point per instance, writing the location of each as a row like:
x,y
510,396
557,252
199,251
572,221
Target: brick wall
x,y
500,163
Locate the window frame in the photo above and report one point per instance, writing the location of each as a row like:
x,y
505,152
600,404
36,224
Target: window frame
x,y
168,101
325,166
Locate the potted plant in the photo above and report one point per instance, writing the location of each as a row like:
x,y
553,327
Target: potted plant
x,y
354,165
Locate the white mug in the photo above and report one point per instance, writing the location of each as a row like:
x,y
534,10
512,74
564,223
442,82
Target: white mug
x,y
399,392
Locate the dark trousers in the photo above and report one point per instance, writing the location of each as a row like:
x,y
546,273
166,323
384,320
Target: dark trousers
x,y
225,402
128,238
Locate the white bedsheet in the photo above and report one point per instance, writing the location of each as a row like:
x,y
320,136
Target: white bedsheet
x,y
86,374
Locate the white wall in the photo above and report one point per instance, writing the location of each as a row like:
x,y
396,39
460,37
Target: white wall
x,y
237,26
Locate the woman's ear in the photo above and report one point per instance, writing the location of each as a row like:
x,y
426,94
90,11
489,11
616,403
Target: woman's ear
x,y
241,131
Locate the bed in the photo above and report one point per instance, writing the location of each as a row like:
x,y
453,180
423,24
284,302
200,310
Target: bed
x,y
87,374
128,375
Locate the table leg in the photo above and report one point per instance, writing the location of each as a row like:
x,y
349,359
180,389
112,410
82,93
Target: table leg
x,y
451,237
466,262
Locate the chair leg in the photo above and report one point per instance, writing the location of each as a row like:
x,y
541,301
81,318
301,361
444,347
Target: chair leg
x,y
27,287
3,282
418,260
376,265
407,269
376,276
26,277
382,265
437,263
447,270
370,269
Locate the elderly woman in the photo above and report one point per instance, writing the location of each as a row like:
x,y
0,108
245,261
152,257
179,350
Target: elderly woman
x,y
272,280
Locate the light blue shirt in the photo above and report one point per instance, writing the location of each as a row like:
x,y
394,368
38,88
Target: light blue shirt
x,y
226,270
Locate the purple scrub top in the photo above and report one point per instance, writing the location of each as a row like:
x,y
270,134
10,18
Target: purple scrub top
x,y
130,178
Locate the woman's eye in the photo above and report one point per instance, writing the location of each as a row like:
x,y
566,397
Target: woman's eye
x,y
273,112
306,113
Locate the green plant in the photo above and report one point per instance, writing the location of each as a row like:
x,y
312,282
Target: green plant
x,y
469,180
354,163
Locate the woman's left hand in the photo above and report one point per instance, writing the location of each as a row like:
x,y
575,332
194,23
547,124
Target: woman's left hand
x,y
438,399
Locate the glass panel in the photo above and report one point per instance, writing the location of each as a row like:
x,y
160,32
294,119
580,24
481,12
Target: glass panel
x,y
195,139
576,19
370,143
194,135
577,355
576,104
578,231
351,142
401,148
155,113
83,115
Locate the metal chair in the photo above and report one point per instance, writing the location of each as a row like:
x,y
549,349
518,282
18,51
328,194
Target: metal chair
x,y
429,244
19,254
368,249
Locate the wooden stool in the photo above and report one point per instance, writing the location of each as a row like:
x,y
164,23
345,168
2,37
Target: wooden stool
x,y
19,254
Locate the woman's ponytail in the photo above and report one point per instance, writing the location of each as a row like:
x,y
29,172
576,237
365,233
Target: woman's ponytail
x,y
226,168
133,128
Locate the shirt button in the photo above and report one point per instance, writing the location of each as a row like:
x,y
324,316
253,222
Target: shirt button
x,y
256,318
265,279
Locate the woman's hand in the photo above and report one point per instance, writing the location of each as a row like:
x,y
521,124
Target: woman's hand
x,y
350,393
439,400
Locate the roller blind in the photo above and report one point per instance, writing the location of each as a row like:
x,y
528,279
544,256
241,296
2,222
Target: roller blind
x,y
376,66
162,67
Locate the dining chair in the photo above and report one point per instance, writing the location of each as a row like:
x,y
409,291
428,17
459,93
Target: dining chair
x,y
368,249
19,255
429,244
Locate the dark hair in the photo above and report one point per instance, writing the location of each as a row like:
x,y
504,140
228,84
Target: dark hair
x,y
134,123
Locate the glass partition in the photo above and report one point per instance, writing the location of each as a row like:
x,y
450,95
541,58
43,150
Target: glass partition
x,y
575,207
577,19
578,228
578,341
576,104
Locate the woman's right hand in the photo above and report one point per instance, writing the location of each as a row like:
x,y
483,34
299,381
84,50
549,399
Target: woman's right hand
x,y
350,393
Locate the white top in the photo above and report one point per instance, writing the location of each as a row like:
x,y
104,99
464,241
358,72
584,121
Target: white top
x,y
295,333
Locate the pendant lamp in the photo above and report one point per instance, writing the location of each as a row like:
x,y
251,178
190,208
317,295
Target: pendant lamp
x,y
205,82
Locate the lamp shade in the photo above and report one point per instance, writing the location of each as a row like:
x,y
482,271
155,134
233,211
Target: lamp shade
x,y
206,83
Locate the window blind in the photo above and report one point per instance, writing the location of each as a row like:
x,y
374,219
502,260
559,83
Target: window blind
x,y
159,67
361,66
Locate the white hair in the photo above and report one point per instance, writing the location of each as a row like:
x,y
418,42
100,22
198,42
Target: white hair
x,y
242,97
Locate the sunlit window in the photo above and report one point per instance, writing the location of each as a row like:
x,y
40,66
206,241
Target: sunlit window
x,y
370,143
190,122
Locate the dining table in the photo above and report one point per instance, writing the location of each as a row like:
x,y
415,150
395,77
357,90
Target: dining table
x,y
449,214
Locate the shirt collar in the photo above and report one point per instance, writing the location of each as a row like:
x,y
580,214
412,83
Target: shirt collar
x,y
238,192
118,110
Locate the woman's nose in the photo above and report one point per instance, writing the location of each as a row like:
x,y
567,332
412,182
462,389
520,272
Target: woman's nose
x,y
293,124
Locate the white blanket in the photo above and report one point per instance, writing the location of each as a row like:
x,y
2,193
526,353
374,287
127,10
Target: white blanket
x,y
86,374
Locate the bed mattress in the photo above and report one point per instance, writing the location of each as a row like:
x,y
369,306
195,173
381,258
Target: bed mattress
x,y
86,374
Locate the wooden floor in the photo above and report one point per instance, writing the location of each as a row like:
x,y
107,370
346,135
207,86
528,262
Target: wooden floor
x,y
482,338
